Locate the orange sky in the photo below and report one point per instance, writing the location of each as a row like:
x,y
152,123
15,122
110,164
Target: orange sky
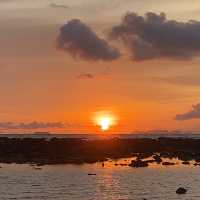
x,y
40,82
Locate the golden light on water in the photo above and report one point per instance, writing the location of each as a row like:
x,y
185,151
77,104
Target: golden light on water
x,y
105,120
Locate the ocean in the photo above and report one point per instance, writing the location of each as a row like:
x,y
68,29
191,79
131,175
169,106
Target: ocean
x,y
114,180
111,182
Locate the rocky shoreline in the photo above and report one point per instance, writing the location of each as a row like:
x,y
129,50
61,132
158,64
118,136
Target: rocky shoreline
x,y
79,151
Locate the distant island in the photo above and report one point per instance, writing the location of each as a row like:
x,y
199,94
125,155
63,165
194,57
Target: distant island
x,y
42,133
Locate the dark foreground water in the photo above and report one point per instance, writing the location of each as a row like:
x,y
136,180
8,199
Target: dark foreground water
x,y
111,182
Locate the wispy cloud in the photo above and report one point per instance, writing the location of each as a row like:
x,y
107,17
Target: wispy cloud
x,y
31,125
105,73
85,76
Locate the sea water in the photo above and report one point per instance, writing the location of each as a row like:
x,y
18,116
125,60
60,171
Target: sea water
x,y
109,182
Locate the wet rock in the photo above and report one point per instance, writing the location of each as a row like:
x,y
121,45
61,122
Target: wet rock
x,y
196,164
168,163
143,155
169,155
150,161
78,151
138,163
40,164
123,164
186,163
181,190
157,158
91,174
185,156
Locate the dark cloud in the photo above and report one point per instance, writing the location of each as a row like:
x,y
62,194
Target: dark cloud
x,y
54,5
86,76
79,40
31,125
154,36
193,114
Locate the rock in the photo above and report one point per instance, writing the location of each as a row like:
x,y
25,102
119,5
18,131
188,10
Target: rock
x,y
196,164
143,155
150,161
185,162
168,163
91,174
157,158
138,163
123,164
181,190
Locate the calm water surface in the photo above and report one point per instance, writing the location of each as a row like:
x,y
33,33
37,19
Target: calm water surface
x,y
71,182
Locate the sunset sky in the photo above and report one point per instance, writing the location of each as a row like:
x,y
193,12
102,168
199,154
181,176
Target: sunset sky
x,y
63,62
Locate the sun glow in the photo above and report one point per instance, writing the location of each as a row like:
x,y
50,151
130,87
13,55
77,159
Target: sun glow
x,y
105,123
105,120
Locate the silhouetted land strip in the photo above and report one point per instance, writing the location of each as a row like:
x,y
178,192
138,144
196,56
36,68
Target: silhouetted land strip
x,y
78,151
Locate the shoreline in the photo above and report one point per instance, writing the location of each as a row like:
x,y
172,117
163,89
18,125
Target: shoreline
x,y
78,151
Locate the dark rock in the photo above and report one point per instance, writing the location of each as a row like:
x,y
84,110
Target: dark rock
x,y
150,161
196,164
185,156
181,190
157,158
91,174
138,163
186,163
79,151
144,155
168,163
123,164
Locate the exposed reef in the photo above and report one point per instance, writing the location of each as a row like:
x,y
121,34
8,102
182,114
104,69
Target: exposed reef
x,y
79,151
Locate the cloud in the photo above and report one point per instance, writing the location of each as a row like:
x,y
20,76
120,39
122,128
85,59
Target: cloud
x,y
79,40
54,5
105,73
154,36
85,76
179,80
31,125
193,114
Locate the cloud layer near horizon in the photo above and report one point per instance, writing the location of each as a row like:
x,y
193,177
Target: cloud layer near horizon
x,y
80,40
31,125
192,114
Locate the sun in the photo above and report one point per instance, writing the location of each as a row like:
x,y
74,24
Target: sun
x,y
104,120
105,123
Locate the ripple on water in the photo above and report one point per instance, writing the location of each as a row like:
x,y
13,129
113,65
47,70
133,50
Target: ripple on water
x,y
71,182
